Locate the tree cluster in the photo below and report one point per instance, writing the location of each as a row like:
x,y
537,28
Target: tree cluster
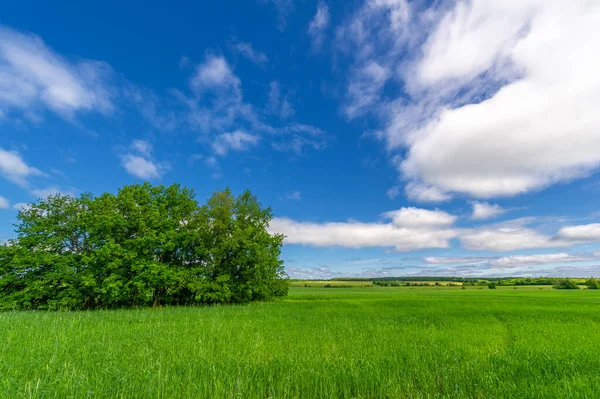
x,y
145,246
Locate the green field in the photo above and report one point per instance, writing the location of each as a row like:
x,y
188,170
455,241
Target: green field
x,y
316,343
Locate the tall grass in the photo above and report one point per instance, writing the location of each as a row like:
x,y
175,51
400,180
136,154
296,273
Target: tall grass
x,y
318,343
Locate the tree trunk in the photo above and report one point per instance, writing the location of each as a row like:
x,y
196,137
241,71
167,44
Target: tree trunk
x,y
155,302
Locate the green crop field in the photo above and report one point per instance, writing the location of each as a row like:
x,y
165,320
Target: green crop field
x,y
316,343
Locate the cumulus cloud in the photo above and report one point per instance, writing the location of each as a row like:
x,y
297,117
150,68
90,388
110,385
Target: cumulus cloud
x,y
140,163
499,101
410,229
424,193
32,76
503,239
456,260
418,217
540,259
583,233
318,25
485,210
140,167
14,169
215,74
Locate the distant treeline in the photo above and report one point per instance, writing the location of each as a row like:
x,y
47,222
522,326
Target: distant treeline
x,y
467,280
561,283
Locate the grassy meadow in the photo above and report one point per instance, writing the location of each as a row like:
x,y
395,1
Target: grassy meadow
x,y
431,342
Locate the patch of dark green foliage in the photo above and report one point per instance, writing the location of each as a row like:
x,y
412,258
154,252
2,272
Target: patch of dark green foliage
x,y
145,246
593,284
566,284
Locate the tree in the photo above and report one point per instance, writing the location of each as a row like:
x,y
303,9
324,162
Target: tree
x,y
145,246
593,284
566,284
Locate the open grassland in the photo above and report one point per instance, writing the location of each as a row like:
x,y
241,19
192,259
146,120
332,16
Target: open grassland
x,y
317,343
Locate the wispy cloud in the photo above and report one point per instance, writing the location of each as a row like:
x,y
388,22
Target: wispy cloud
x,y
318,25
33,78
234,141
13,168
247,51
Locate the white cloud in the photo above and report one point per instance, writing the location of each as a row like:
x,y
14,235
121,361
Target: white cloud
x,y
456,260
502,100
247,51
283,8
142,146
318,25
409,234
215,74
485,210
423,193
235,141
141,167
217,107
417,217
541,259
294,196
586,232
278,105
21,206
507,238
365,87
42,193
4,203
393,192
32,75
14,169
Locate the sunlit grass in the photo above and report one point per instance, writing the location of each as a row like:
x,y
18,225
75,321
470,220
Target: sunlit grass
x,y
317,343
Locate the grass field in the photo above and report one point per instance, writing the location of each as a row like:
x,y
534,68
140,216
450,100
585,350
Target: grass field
x,y
317,343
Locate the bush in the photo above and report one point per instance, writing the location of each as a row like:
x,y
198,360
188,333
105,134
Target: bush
x,y
492,286
593,284
566,284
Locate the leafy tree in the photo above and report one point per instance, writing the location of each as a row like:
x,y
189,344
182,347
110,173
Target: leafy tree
x,y
145,246
566,284
593,284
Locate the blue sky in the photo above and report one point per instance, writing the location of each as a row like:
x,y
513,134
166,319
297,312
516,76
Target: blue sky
x,y
389,137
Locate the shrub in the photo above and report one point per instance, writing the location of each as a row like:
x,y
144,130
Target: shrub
x,y
492,286
593,284
566,284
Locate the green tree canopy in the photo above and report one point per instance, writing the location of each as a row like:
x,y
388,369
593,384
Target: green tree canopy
x,y
145,246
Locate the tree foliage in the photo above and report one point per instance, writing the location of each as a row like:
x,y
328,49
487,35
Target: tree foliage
x,y
593,284
145,246
566,284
